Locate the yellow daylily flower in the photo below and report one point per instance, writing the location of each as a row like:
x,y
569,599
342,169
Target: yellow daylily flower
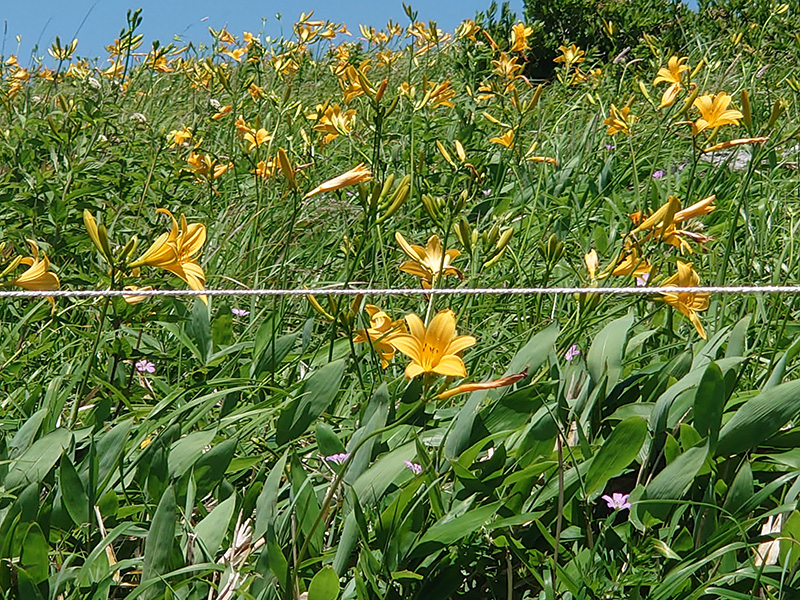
x,y
256,139
222,112
570,56
519,37
236,54
177,252
507,67
435,349
179,137
380,333
507,139
663,223
629,263
38,276
333,121
357,174
688,303
204,166
714,112
619,120
672,74
430,262
266,168
440,95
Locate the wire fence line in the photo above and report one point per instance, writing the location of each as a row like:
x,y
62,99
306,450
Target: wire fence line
x,y
521,291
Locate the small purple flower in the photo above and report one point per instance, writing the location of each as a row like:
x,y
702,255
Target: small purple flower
x,y
610,147
240,312
658,174
617,501
486,193
642,281
338,458
572,352
415,468
145,366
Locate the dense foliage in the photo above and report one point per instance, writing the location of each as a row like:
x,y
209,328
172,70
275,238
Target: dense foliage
x,y
420,445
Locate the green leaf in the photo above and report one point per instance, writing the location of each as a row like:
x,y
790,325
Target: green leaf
x,y
460,436
673,482
211,466
618,451
605,354
160,540
373,483
448,530
26,434
741,489
759,419
211,531
314,397
306,503
270,357
378,411
185,452
267,503
73,494
779,370
737,341
406,574
790,541
109,449
35,554
198,329
328,442
324,585
37,460
347,543
534,353
512,411
222,327
269,349
709,402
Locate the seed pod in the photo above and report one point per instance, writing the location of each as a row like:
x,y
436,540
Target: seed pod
x,y
777,110
644,91
397,199
128,250
463,234
375,196
286,168
696,70
494,234
445,154
381,89
312,300
505,237
536,96
387,187
11,266
689,101
747,115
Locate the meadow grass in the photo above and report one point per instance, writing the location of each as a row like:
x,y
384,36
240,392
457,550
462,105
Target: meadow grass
x,y
413,446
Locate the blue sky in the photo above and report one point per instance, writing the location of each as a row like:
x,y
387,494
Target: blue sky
x,y
98,22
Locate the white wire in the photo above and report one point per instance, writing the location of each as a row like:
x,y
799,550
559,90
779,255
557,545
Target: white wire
x,y
634,291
